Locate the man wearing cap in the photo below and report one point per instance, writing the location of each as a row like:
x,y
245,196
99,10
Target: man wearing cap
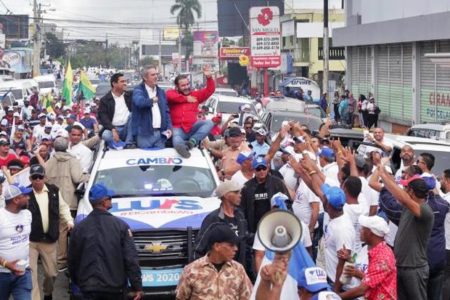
x,y
20,142
15,228
246,172
103,257
327,160
259,146
380,279
48,210
64,170
414,230
258,191
216,275
230,154
89,122
312,284
39,129
6,154
188,132
229,213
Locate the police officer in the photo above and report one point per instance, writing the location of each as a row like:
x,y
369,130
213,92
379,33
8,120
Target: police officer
x,y
102,233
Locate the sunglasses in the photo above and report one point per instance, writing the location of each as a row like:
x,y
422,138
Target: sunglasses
x,y
260,169
36,177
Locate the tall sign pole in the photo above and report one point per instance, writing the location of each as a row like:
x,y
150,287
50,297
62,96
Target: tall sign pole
x,y
37,38
265,40
326,48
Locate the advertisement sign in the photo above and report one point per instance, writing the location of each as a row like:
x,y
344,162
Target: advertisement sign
x,y
171,33
206,43
265,36
233,52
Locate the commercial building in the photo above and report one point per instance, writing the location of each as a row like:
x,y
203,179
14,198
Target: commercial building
x,y
388,48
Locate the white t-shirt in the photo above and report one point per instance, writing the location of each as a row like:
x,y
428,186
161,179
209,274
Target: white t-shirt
x,y
38,130
288,173
83,154
239,178
156,113
14,236
331,171
304,196
305,239
121,112
370,195
339,232
354,211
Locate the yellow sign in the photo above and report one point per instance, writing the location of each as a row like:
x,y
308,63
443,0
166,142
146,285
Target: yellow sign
x,y
243,60
155,247
171,33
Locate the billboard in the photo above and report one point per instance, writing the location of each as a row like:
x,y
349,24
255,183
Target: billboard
x,y
234,15
15,26
206,44
265,36
171,33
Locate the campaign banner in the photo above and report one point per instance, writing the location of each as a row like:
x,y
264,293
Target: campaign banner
x,y
206,43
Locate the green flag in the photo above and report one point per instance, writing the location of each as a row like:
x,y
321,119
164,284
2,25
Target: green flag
x,y
68,85
86,86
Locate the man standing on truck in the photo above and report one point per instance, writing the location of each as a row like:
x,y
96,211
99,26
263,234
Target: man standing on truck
x,y
188,131
103,233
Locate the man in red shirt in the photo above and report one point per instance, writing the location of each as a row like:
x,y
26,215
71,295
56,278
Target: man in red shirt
x,y
5,155
188,131
380,279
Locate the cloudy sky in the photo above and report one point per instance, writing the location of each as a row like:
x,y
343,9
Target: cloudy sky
x,y
94,19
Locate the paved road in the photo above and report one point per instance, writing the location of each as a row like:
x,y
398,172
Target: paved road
x,y
61,289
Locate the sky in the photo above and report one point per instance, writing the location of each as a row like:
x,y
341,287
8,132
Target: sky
x,y
71,16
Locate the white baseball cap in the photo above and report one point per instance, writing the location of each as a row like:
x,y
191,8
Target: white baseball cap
x,y
226,187
376,224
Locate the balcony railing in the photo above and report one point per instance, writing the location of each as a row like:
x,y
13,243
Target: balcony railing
x,y
335,53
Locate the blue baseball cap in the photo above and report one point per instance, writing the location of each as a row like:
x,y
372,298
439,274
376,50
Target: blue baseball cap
x,y
243,156
259,162
334,195
313,279
98,192
326,152
430,181
12,191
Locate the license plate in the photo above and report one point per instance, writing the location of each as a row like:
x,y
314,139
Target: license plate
x,y
151,278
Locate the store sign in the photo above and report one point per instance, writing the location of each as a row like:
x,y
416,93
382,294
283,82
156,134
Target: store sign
x,y
233,52
265,37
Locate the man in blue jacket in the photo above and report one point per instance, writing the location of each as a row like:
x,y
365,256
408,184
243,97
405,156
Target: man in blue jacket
x,y
150,119
103,259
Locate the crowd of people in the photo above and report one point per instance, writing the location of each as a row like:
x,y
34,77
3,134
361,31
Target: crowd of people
x,y
367,232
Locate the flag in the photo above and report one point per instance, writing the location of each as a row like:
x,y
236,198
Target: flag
x,y
48,99
86,87
68,85
300,259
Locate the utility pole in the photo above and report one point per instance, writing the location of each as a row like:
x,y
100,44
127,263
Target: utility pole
x,y
326,48
37,38
106,50
160,52
179,50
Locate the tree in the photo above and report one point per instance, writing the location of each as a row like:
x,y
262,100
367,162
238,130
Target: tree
x,y
54,46
186,9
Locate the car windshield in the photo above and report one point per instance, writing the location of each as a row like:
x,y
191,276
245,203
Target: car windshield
x,y
18,94
46,84
151,180
232,107
227,93
312,122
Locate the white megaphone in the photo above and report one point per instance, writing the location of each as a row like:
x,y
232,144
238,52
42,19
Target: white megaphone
x,y
279,230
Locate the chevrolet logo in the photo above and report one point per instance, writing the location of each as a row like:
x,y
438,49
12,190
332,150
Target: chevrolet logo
x,y
155,247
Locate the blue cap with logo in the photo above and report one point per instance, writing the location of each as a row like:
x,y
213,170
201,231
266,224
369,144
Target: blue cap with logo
x,y
335,196
259,162
243,156
98,192
326,152
313,279
12,191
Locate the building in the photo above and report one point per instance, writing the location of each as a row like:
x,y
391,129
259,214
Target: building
x,y
388,46
302,32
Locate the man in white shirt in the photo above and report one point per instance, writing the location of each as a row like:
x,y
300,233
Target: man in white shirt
x,y
78,149
246,172
328,163
151,124
114,113
39,129
15,228
378,140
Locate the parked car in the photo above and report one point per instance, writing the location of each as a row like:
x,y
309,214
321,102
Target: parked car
x,y
292,104
226,92
430,130
228,105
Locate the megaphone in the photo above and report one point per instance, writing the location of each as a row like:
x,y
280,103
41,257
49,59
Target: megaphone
x,y
279,230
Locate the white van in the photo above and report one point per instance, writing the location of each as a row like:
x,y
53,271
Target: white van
x,y
46,83
16,88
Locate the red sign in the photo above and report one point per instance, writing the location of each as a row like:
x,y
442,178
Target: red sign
x,y
265,61
233,52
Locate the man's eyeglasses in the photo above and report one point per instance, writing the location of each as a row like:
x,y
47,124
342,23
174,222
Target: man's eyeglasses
x,y
37,177
258,169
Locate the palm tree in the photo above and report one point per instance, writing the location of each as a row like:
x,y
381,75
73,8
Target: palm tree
x,y
186,9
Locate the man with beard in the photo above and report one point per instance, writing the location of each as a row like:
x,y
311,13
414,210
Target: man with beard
x,y
229,155
188,131
407,157
15,228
